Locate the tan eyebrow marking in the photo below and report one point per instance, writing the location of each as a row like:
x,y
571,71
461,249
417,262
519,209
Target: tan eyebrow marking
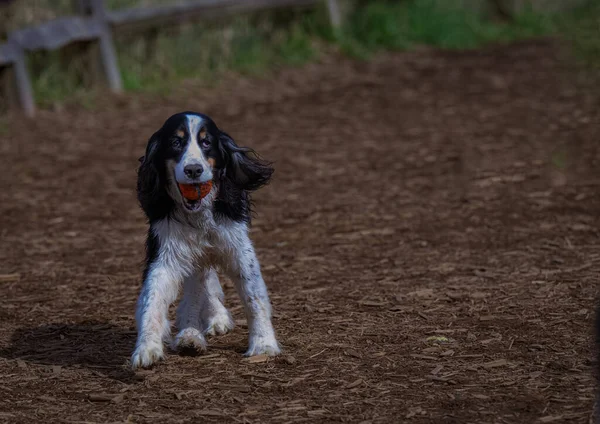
x,y
202,133
180,133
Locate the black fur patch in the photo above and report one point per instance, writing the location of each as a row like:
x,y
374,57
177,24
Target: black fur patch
x,y
152,248
151,190
242,172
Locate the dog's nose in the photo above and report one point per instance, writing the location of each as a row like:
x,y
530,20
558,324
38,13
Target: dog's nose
x,y
193,171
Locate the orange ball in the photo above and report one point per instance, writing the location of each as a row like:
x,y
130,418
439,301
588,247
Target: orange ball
x,y
205,189
195,191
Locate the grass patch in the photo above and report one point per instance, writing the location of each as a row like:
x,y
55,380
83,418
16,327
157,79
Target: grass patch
x,y
581,30
57,75
248,45
382,25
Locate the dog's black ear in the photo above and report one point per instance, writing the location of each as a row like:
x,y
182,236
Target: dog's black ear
x,y
243,166
148,183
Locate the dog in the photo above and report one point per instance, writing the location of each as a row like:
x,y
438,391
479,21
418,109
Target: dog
x,y
188,241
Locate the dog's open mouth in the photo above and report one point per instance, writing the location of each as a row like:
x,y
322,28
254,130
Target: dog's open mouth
x,y
192,205
193,194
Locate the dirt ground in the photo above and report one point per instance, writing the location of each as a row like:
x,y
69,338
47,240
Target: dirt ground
x,y
430,242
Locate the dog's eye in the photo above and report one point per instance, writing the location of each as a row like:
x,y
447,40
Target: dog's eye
x,y
176,142
206,142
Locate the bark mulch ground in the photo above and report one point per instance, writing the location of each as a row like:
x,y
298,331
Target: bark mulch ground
x,y
430,242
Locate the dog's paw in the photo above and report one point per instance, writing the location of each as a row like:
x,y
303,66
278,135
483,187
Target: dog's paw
x,y
263,346
218,323
147,354
189,339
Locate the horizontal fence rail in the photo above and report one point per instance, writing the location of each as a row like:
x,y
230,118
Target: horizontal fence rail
x,y
95,26
143,18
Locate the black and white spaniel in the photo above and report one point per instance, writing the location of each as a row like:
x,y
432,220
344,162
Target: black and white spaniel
x,y
189,240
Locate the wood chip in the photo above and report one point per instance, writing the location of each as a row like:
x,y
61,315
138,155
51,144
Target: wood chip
x,y
487,318
371,303
118,399
417,356
102,397
208,412
551,418
354,384
317,354
205,357
495,364
237,388
293,408
317,412
353,353
438,339
437,369
5,278
424,293
535,374
257,359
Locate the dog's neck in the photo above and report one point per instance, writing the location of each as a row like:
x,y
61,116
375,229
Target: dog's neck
x,y
198,219
203,218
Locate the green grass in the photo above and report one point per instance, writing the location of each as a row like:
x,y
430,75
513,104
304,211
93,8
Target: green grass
x,y
257,43
384,25
248,45
581,30
388,25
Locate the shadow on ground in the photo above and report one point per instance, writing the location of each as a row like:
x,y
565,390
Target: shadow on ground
x,y
97,346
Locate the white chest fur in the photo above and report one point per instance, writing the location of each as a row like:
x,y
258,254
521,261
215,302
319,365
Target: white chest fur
x,y
200,241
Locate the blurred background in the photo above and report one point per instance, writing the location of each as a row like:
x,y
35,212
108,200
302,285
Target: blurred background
x,y
158,52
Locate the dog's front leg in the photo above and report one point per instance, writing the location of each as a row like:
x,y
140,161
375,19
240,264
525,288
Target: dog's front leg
x,y
160,289
244,270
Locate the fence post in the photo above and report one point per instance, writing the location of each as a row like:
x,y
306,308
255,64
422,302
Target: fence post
x,y
108,56
23,84
14,76
16,84
335,15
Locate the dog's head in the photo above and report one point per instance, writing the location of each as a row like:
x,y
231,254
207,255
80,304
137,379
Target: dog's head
x,y
190,149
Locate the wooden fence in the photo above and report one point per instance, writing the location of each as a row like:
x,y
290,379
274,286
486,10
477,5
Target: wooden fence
x,y
93,26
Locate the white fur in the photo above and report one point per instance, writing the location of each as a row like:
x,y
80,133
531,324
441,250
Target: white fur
x,y
214,317
193,154
189,338
241,265
192,246
176,259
